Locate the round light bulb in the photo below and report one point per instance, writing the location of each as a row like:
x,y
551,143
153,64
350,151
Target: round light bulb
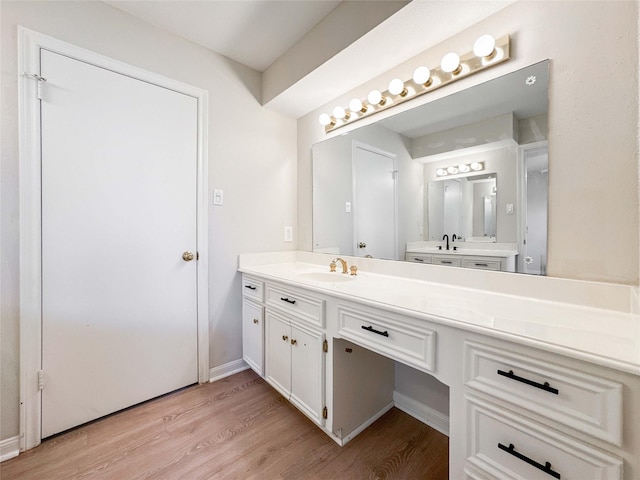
x,y
485,46
450,63
396,87
339,112
476,166
452,170
324,119
375,97
441,172
463,168
422,76
355,105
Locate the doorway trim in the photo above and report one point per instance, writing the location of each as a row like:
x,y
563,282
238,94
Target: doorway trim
x,y
29,45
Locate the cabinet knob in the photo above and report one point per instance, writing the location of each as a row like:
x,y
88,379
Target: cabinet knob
x,y
255,320
362,245
285,338
294,341
188,256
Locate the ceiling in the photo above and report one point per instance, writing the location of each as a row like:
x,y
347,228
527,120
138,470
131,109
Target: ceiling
x,y
257,33
253,32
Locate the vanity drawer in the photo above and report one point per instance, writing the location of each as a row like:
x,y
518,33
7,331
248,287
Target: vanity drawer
x,y
417,258
506,446
482,263
306,307
446,260
389,335
252,288
570,397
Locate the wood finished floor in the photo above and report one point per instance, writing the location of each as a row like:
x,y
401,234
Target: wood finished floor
x,y
235,428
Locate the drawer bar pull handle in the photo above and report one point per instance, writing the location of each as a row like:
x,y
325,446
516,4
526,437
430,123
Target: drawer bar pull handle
x,y
481,264
546,468
250,287
542,386
292,302
418,259
446,262
373,330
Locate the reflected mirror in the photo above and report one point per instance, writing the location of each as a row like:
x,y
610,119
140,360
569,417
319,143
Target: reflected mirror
x,y
461,181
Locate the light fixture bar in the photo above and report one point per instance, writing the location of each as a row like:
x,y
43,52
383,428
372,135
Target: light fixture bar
x,y
470,63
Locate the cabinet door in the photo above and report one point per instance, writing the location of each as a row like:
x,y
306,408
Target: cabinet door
x,y
278,353
253,336
307,372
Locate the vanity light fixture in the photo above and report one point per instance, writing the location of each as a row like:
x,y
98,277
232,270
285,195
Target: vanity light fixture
x,y
486,53
451,63
396,87
462,168
355,105
376,98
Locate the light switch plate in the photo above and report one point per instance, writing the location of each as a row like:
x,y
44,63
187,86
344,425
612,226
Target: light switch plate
x,y
288,234
347,207
510,208
218,196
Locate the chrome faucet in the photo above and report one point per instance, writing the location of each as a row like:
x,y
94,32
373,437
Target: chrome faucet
x,y
332,265
446,237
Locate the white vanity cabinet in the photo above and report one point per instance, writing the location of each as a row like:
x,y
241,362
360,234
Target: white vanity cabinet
x,y
253,324
532,418
461,259
295,348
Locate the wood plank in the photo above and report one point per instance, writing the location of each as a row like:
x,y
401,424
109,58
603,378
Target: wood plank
x,y
237,427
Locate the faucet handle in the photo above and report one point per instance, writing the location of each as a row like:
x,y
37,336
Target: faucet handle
x,y
332,267
354,270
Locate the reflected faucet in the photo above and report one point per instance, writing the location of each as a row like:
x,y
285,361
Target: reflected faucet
x,y
332,265
453,239
446,237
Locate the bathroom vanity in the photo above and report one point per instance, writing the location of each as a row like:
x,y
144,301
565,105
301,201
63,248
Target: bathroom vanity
x,y
540,386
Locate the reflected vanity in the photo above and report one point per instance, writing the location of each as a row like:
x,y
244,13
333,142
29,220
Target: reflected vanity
x,y
473,164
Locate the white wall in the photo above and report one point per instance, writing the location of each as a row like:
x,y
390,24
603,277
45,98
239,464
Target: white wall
x,y
593,125
252,156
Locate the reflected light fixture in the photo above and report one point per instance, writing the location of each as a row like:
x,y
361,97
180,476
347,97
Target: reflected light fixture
x,y
485,47
396,87
487,52
422,76
376,98
462,168
451,63
355,105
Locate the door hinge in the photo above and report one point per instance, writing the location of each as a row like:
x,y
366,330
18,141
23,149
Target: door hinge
x,y
325,346
40,379
38,79
197,255
325,413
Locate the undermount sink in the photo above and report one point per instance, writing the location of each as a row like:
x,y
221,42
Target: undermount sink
x,y
329,277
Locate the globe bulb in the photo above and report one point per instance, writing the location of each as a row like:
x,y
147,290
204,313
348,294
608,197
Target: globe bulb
x,y
450,63
339,112
422,76
396,87
375,97
355,105
324,119
485,46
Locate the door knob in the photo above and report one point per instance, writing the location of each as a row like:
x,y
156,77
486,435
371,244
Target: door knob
x,y
188,256
362,245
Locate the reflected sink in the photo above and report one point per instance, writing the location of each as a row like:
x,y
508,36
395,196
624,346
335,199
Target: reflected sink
x,y
329,277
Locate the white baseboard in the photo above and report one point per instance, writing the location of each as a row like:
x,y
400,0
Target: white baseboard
x,y
9,448
366,424
422,412
222,371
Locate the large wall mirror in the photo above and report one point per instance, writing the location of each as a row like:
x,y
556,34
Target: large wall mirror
x,y
460,181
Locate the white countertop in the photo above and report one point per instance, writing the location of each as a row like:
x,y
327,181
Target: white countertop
x,y
464,251
606,337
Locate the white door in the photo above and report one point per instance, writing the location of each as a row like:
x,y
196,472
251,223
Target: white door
x,y
252,335
374,203
119,316
278,353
